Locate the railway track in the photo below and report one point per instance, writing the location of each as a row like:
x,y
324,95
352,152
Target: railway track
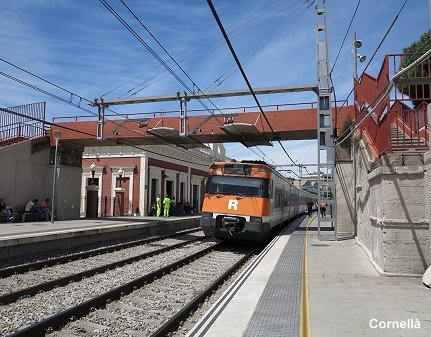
x,y
20,268
32,282
26,311
151,302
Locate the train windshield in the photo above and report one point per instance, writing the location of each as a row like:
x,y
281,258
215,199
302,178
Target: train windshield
x,y
252,187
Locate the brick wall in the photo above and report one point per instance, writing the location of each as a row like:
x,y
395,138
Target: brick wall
x,y
107,180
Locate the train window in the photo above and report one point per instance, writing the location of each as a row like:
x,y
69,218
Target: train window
x,y
253,187
278,197
240,169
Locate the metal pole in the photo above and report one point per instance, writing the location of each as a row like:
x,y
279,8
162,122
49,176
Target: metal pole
x,y
355,57
54,183
430,12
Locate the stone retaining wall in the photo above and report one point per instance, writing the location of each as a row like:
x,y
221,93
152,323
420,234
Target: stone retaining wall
x,y
393,211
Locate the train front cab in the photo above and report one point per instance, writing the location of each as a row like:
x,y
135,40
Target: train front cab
x,y
237,206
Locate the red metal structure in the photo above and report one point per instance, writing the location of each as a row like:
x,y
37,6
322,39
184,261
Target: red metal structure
x,y
396,125
239,125
18,125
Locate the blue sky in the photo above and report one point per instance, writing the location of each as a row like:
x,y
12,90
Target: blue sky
x,y
82,47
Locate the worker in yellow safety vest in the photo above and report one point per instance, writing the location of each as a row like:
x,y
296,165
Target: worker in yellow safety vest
x,y
166,205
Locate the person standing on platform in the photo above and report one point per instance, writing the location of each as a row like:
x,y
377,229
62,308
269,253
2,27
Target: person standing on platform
x,y
166,205
159,205
310,207
322,209
173,205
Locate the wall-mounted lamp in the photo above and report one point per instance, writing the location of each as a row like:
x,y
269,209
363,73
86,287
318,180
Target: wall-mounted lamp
x,y
120,174
92,168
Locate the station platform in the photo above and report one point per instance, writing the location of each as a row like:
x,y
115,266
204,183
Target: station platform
x,y
24,238
302,286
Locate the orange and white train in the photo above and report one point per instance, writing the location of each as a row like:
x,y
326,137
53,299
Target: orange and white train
x,y
246,200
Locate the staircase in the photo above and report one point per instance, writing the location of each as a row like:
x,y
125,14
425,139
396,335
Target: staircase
x,y
400,141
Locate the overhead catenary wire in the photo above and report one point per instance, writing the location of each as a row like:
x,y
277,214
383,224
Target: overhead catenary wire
x,y
199,56
73,94
259,45
275,5
138,37
157,78
172,58
70,102
34,87
213,10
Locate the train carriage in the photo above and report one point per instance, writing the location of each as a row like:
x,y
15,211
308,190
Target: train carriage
x,y
247,200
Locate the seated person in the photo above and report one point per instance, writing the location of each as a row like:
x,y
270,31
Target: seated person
x,y
44,206
6,210
33,207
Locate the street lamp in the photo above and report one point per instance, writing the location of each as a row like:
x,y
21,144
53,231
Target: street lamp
x,y
92,168
356,45
120,174
57,136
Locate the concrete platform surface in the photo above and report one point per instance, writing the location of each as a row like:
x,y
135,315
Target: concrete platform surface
x,y
256,304
26,229
346,295
18,239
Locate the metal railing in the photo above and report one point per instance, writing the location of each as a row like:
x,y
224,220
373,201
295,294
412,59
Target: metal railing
x,y
396,125
18,125
227,110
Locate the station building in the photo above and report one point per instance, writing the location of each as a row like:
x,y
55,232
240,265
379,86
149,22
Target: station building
x,y
127,179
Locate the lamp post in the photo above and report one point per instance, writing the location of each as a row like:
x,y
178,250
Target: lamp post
x,y
57,136
92,168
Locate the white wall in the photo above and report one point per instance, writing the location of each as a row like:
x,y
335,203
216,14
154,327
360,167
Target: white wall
x,y
25,175
68,193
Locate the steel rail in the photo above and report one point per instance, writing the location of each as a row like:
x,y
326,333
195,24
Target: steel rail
x,y
58,320
30,291
69,258
172,323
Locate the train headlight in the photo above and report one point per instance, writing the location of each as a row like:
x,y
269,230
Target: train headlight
x,y
256,219
207,215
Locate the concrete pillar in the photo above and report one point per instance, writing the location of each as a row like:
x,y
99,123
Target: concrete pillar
x,y
143,186
428,163
427,276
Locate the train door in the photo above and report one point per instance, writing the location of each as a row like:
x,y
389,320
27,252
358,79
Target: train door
x,y
289,201
170,188
195,197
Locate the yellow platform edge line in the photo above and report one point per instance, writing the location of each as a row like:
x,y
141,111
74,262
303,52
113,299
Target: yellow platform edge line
x,y
304,327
